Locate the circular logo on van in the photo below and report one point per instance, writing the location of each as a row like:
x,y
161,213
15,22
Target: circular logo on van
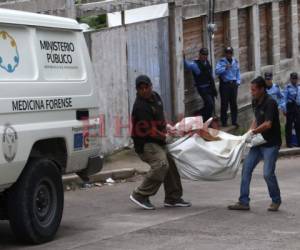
x,y
9,55
9,143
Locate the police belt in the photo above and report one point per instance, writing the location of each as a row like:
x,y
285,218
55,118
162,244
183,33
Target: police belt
x,y
230,82
202,86
292,103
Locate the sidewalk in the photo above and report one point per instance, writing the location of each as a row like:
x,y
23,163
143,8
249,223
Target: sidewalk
x,y
121,165
125,164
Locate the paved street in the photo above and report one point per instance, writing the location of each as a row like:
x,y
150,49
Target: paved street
x,y
104,218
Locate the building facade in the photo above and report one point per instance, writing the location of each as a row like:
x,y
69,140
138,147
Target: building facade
x,y
264,34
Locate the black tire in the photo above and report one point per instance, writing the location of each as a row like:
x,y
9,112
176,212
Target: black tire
x,y
35,202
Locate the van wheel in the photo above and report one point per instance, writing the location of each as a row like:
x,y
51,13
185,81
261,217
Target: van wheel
x,y
36,201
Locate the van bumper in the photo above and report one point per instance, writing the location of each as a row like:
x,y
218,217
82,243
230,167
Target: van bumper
x,y
94,165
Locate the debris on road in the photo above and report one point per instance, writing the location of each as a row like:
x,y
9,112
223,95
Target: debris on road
x,y
110,181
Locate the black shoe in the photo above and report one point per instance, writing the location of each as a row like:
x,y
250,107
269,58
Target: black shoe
x,y
177,203
143,202
224,125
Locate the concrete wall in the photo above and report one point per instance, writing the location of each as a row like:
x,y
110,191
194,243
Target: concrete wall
x,y
64,8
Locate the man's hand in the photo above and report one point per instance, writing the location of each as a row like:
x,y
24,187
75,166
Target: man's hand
x,y
253,132
263,127
228,66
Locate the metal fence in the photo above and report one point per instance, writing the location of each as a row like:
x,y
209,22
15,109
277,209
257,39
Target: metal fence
x,y
119,55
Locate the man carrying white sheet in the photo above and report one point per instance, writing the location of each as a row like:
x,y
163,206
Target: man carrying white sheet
x,y
267,123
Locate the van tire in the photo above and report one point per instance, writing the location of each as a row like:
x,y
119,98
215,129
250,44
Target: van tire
x,y
35,202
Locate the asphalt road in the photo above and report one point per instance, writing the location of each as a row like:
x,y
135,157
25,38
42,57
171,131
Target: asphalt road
x,y
104,218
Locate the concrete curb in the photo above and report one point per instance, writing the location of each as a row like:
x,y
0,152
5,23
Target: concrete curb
x,y
102,176
125,173
289,152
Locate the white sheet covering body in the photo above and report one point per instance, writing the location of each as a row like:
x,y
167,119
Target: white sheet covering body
x,y
197,159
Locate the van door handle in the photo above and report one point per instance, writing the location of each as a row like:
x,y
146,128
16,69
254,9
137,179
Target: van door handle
x,y
82,115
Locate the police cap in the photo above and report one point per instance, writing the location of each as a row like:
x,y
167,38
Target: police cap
x,y
294,75
228,50
203,51
268,76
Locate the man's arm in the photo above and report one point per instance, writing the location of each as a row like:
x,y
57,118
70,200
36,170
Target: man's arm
x,y
298,96
281,101
189,64
238,73
263,127
285,98
253,125
220,68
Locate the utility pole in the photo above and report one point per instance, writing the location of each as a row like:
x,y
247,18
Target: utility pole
x,y
176,56
211,26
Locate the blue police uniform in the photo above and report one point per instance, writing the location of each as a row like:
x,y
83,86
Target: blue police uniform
x,y
230,79
277,95
292,107
298,96
232,74
205,84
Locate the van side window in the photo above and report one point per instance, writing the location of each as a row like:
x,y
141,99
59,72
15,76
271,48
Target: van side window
x,y
60,55
17,57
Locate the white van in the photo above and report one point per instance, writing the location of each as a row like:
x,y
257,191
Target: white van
x,y
49,121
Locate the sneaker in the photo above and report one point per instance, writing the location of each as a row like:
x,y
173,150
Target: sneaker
x,y
274,207
178,203
143,202
239,206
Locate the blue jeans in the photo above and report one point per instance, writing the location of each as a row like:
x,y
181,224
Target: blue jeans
x,y
269,156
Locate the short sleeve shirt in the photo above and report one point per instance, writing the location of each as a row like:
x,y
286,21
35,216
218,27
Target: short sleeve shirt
x,y
146,115
267,110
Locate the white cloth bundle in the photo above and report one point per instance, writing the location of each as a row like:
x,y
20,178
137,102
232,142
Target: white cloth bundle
x,y
197,159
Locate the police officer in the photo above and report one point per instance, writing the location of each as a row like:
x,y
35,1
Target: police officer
x,y
149,137
292,109
204,82
274,91
228,70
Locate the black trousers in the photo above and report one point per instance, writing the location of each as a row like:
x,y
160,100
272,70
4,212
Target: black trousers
x,y
292,121
208,98
228,93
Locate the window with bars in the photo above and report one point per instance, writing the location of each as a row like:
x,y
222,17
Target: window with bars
x,y
245,40
285,29
265,21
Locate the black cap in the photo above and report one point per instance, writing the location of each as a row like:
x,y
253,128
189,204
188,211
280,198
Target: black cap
x,y
142,79
268,76
203,51
294,75
228,49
